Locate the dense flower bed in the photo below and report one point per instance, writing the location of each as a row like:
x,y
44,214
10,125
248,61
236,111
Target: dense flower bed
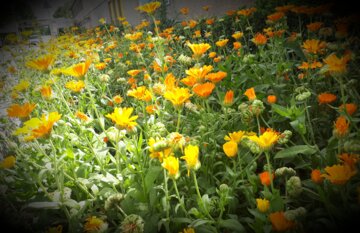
x,y
242,123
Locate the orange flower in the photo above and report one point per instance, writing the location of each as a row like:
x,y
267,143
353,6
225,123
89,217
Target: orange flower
x,y
271,99
222,43
314,46
41,63
199,73
341,127
151,109
265,178
46,92
192,23
45,127
100,66
184,10
216,77
20,111
199,49
348,108
339,174
275,16
237,45
349,159
77,70
149,7
82,116
313,27
204,90
316,176
336,65
229,98
118,99
246,12
279,222
212,54
259,39
326,98
250,93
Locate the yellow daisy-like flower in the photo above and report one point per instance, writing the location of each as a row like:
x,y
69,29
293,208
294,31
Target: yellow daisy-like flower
x,y
171,164
199,49
262,204
335,64
149,8
21,86
42,63
140,93
188,230
222,43
8,162
230,149
266,140
235,136
77,70
46,92
178,96
191,157
75,86
339,174
20,111
123,119
199,73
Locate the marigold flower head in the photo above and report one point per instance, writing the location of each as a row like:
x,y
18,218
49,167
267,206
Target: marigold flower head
x,y
177,96
314,46
235,136
140,93
265,178
250,93
315,26
82,116
349,159
326,98
271,99
77,70
21,86
75,86
336,65
259,39
229,98
8,162
216,77
117,99
123,119
246,12
339,174
349,108
279,222
237,45
199,49
204,90
230,148
149,8
191,157
46,92
42,63
184,10
94,224
20,111
316,176
262,204
266,140
341,127
171,164
222,43
237,35
275,16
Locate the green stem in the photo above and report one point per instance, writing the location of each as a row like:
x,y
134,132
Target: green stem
x,y
269,170
178,121
167,207
199,196
179,198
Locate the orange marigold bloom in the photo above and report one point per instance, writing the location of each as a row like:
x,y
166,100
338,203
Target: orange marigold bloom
x,y
212,54
237,35
314,46
271,99
279,222
246,12
250,93
20,111
41,63
170,81
265,178
326,98
259,39
46,91
118,99
210,21
184,10
339,174
192,23
189,81
151,109
45,127
222,43
237,45
275,16
335,64
349,159
199,73
230,148
82,116
216,77
348,108
313,27
77,70
149,7
100,66
341,127
204,90
316,176
229,98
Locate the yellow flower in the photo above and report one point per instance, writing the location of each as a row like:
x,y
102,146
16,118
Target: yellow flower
x,y
235,136
266,140
149,7
123,119
339,174
75,86
20,111
262,204
77,70
57,229
191,157
230,148
204,90
42,63
140,93
171,164
178,96
199,49
188,230
222,43
82,116
8,162
21,86
237,35
94,224
46,91
45,127
199,73
314,46
133,73
335,64
159,148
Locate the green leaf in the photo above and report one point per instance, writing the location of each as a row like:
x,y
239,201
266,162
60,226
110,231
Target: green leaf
x,y
199,222
232,224
151,175
295,150
282,111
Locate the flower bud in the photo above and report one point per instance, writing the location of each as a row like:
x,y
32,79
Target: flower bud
x,y
132,223
293,215
293,186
